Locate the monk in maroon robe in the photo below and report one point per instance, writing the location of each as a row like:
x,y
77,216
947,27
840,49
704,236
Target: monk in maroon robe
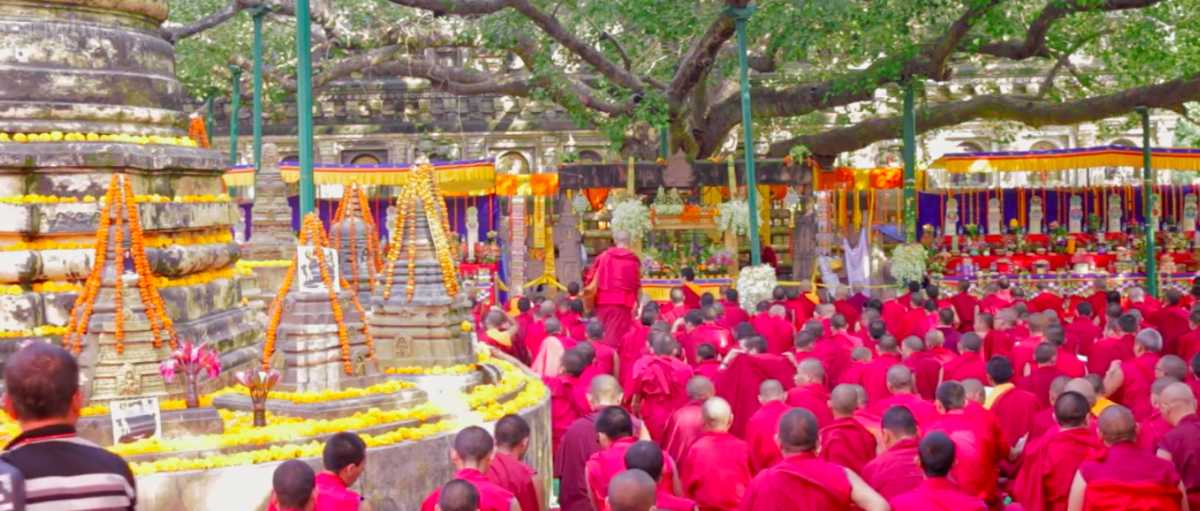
x,y
508,471
614,429
1126,477
1082,332
1044,421
926,370
716,470
895,471
1049,465
1038,380
649,458
1129,382
1181,445
1117,344
659,384
745,369
903,390
801,481
810,392
472,454
775,328
687,423
707,364
634,345
1189,342
564,407
937,492
1046,300
834,350
980,446
846,441
760,430
707,332
734,313
616,283
1012,407
970,363
579,443
799,306
995,341
674,310
535,332
1171,321
874,373
964,304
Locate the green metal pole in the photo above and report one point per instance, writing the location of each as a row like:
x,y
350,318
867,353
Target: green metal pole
x,y
1148,198
664,138
909,134
208,116
258,14
741,16
235,108
304,105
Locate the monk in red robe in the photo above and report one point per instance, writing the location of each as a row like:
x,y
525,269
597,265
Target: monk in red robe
x,y
996,341
564,407
1049,465
874,373
926,370
937,493
507,469
834,350
579,443
1171,320
1082,332
846,307
745,369
760,430
1098,298
1181,445
1155,427
969,363
1065,360
810,392
964,304
1046,300
673,310
691,292
734,313
616,283
1126,477
1116,345
1038,380
707,363
659,384
980,446
916,321
472,454
570,314
801,481
775,328
1189,343
634,345
1012,407
846,442
799,306
614,430
716,470
1143,302
707,331
1044,421
1129,382
904,393
895,471
649,458
998,298
535,332
687,423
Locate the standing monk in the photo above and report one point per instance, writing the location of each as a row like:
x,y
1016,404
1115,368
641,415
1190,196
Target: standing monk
x,y
1126,477
659,384
1044,482
580,442
801,482
874,373
895,471
1181,445
687,423
716,470
614,431
969,363
648,457
507,470
1012,407
760,430
846,442
616,281
937,493
471,454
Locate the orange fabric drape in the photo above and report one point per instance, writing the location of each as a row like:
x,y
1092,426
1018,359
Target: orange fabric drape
x,y
596,197
198,132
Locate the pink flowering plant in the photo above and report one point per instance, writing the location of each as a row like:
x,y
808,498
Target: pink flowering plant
x,y
259,382
195,362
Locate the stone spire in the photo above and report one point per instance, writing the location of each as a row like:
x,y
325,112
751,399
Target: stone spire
x,y
356,239
271,236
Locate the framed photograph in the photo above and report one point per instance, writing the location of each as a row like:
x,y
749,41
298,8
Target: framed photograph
x,y
308,269
135,419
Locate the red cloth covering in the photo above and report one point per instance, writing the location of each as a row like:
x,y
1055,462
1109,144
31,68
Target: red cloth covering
x,y
997,342
1151,431
332,495
738,384
799,482
1013,410
1099,301
923,411
605,358
670,313
848,310
800,309
896,471
1108,349
720,338
563,407
1183,442
710,369
683,428
660,385
979,448
914,322
1129,478
511,474
777,332
813,397
716,471
573,324
937,494
892,312
1081,334
617,276
533,335
633,347
847,443
995,302
1038,383
834,353
1172,323
570,460
874,376
1134,391
617,320
734,314
1189,345
667,502
927,372
966,366
607,463
1049,466
760,435
1148,307
491,496
1069,364
1046,301
691,296
964,306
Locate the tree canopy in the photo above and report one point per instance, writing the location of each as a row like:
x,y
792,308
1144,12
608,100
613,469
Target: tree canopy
x,y
820,68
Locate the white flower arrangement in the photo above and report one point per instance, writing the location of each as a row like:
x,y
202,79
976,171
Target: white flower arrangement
x,y
735,215
755,284
631,216
667,203
908,263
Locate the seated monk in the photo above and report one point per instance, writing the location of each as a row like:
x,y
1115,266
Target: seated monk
x,y
901,385
846,442
1049,466
859,358
705,330
801,481
775,328
760,429
1066,360
951,336
1044,421
1126,477
649,458
1128,382
687,424
1012,407
471,455
969,363
810,392
936,492
1116,345
743,371
614,431
716,470
734,314
927,372
980,445
834,349
1037,382
1151,430
673,311
935,346
507,469
1082,332
874,373
659,384
1181,445
895,471
707,363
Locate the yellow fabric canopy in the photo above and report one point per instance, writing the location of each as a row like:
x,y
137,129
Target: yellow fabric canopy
x,y
1068,159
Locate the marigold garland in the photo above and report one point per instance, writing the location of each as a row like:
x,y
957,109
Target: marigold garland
x,y
118,284
420,185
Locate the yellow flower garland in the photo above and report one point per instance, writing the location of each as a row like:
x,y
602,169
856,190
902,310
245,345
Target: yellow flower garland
x,y
58,136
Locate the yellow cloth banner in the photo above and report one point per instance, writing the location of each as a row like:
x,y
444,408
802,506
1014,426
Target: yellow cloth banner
x,y
1069,159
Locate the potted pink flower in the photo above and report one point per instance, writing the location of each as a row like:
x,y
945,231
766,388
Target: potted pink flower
x,y
195,362
259,383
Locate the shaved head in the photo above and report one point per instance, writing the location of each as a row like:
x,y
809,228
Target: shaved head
x,y
1071,410
604,391
951,395
1084,388
899,421
1176,402
899,378
1172,366
798,431
771,390
974,390
473,444
717,414
810,371
844,400
1057,386
700,388
458,495
631,490
1117,425
1178,392
646,456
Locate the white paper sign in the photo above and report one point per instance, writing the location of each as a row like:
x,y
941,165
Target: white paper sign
x,y
308,275
135,419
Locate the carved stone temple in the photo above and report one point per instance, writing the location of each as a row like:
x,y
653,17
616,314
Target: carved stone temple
x,y
309,342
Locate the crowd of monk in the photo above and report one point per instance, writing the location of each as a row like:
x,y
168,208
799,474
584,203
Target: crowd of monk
x,y
838,401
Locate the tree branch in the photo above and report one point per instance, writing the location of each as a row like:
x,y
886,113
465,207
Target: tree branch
x,y
1034,44
174,34
552,28
699,59
1031,112
605,36
455,7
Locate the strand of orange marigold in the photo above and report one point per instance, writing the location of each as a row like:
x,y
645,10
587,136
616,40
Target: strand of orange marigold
x,y
373,234
338,317
449,272
353,258
362,316
394,245
118,285
81,311
410,239
276,312
156,312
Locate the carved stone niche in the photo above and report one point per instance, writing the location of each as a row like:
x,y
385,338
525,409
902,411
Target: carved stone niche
x,y
679,172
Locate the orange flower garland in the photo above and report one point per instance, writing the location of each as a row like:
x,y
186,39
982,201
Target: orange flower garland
x,y
420,185
156,311
276,314
81,311
118,284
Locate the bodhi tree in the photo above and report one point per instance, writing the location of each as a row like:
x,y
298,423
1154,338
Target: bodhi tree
x,y
825,73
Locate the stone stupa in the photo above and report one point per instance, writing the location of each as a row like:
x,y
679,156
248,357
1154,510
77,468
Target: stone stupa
x,y
418,312
354,235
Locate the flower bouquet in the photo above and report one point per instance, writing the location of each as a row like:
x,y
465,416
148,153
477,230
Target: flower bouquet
x,y
667,203
755,284
908,263
734,215
194,361
631,216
